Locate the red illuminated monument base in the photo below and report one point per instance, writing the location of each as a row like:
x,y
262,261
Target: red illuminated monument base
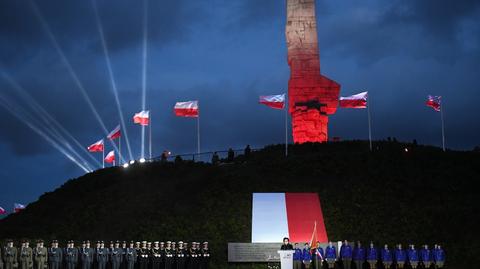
x,y
312,97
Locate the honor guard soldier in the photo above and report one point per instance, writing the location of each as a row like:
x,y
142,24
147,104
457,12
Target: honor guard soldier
x,y
40,254
346,254
297,257
130,256
439,257
26,256
206,256
143,256
124,250
169,256
318,256
400,256
10,256
55,256
116,255
412,256
71,255
156,256
101,256
86,255
330,254
387,257
426,256
194,259
372,256
137,251
181,256
359,255
307,256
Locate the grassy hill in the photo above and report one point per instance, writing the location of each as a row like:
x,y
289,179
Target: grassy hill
x,y
388,196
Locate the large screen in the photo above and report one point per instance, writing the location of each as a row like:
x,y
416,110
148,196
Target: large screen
x,y
293,215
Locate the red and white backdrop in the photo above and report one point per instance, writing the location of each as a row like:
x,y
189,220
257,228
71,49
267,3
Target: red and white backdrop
x,y
293,215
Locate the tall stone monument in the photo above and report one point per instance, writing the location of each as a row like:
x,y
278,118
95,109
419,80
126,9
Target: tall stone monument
x,y
312,97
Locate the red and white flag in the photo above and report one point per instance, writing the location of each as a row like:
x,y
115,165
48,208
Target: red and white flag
x,y
142,117
186,109
96,147
273,101
110,158
18,207
2,211
292,215
116,133
354,101
434,102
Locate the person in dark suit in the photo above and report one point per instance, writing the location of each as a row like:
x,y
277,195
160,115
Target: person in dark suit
x,y
286,244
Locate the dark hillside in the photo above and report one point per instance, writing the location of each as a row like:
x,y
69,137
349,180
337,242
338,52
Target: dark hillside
x,y
420,196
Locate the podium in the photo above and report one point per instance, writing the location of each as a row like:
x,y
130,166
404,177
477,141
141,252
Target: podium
x,y
286,259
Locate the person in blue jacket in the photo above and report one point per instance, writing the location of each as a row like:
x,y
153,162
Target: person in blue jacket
x,y
426,256
331,254
346,254
359,255
439,257
372,256
318,256
412,256
387,257
297,257
400,256
307,256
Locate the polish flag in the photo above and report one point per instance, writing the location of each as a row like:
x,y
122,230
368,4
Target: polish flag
x,y
116,133
2,211
354,101
18,207
110,158
186,109
293,215
434,102
96,147
142,117
273,101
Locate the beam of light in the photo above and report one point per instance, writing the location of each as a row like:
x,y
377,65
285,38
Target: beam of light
x,y
70,69
56,129
112,78
144,67
18,114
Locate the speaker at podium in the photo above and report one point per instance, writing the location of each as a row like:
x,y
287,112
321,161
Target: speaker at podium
x,y
286,259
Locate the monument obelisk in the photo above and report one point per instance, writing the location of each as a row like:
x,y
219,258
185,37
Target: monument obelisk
x,y
312,97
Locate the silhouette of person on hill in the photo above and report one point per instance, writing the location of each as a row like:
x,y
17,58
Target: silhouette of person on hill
x,y
215,158
247,152
231,155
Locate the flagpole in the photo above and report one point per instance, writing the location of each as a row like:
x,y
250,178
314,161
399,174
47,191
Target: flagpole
x,y
198,134
286,125
120,149
103,157
443,128
369,124
150,136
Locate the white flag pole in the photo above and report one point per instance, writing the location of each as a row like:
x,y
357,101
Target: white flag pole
x,y
369,123
150,135
103,157
120,149
443,127
198,133
286,125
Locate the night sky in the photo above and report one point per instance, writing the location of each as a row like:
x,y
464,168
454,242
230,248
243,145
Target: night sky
x,y
225,53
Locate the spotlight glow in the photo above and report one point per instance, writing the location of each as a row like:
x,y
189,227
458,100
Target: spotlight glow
x,y
125,165
142,160
132,162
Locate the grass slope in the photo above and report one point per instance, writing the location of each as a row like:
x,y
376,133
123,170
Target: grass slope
x,y
389,196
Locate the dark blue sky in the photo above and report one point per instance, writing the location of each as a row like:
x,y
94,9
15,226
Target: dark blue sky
x,y
225,54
